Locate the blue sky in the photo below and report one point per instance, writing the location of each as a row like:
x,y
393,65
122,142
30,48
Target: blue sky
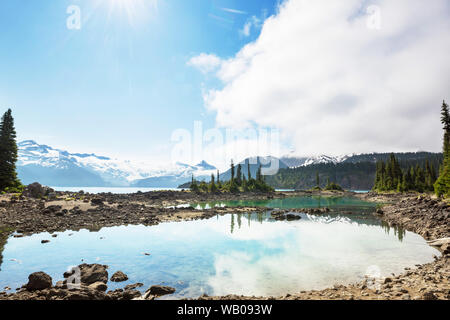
x,y
333,77
120,85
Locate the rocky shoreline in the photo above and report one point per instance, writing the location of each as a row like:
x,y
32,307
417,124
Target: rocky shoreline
x,y
46,211
85,282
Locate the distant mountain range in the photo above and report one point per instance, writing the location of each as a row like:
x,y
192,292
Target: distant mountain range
x,y
59,168
353,172
294,162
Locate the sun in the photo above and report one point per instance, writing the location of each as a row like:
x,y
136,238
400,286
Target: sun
x,y
134,9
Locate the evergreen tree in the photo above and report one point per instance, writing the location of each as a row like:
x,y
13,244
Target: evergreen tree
x,y
419,183
8,153
194,185
433,175
317,180
258,174
212,185
232,171
244,184
378,176
249,173
442,185
239,175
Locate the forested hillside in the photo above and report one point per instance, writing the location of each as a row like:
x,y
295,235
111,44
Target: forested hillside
x,y
356,173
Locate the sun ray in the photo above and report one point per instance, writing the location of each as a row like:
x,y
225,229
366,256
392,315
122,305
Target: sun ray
x,y
134,10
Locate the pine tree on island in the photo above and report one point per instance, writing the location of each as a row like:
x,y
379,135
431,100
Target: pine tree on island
x,y
237,183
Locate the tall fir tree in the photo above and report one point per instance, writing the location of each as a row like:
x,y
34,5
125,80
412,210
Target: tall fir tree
x,y
239,175
212,185
8,153
442,185
232,171
258,174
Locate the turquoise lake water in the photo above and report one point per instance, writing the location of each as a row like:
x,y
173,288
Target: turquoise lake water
x,y
336,203
249,254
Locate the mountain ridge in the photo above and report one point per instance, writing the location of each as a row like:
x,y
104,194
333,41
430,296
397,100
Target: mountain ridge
x,y
61,168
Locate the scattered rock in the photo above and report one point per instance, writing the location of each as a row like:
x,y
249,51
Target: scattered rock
x,y
92,273
39,281
97,202
130,294
133,286
99,286
45,241
52,209
37,191
158,291
293,217
119,276
429,296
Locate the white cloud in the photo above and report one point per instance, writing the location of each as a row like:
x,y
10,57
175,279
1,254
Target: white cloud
x,y
252,23
205,62
336,86
246,29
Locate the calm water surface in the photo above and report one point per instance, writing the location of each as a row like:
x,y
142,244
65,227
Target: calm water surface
x,y
247,254
336,203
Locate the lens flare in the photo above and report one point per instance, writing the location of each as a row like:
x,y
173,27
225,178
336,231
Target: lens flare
x,y
135,10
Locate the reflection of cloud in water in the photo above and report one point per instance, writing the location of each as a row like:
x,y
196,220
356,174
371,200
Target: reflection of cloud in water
x,y
255,231
310,255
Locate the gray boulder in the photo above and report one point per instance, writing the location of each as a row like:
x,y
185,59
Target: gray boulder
x,y
36,190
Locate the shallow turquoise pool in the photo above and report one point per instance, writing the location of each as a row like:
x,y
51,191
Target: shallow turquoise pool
x,y
233,254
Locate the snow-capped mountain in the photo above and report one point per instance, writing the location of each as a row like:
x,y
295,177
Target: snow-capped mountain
x,y
295,162
56,167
